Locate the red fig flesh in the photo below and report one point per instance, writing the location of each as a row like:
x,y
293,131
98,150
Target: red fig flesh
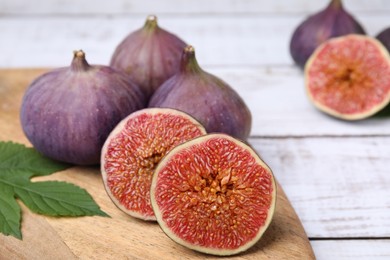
x,y
213,194
133,150
68,112
149,55
331,22
204,96
348,77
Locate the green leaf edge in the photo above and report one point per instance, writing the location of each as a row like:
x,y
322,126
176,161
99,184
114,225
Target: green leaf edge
x,y
63,166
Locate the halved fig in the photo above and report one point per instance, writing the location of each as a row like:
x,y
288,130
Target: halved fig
x,y
213,194
133,150
349,77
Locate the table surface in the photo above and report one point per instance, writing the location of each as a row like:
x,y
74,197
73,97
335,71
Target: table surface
x,y
335,173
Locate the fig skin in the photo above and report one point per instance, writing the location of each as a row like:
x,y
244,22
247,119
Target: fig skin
x,y
205,97
149,55
67,113
331,22
384,38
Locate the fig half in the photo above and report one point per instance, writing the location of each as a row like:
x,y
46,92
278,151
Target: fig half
x,y
213,194
349,77
133,150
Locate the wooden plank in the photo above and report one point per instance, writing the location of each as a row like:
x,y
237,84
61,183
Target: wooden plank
x,y
36,244
122,237
180,7
338,186
352,249
222,41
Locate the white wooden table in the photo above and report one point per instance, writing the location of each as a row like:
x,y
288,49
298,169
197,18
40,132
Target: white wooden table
x,y
335,173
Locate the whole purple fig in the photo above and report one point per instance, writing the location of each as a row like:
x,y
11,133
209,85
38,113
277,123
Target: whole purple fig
x,y
205,97
67,113
384,38
331,22
149,55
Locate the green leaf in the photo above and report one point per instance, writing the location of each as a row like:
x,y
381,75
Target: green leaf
x,y
9,213
58,199
26,161
53,198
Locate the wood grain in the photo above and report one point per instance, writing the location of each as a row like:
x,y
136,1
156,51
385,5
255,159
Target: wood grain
x,y
120,236
40,240
276,96
339,186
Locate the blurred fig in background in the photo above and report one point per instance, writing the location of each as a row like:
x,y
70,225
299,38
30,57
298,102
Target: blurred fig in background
x,y
331,22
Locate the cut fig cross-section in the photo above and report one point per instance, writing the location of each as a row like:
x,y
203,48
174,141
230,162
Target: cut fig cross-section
x,y
349,77
213,194
133,150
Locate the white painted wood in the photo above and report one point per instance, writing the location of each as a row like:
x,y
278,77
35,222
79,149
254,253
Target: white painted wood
x,y
180,7
224,41
338,186
352,249
280,107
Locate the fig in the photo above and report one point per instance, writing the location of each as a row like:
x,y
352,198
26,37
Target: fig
x,y
205,97
213,194
133,150
384,38
67,113
149,55
331,22
349,77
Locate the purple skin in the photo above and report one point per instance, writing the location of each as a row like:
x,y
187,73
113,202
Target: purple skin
x,y
68,113
149,56
332,22
205,97
384,38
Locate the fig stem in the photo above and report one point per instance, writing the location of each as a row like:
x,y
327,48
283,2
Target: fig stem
x,y
151,22
79,63
336,4
188,60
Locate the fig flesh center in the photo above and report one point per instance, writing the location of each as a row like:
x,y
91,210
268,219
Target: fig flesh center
x,y
149,163
216,190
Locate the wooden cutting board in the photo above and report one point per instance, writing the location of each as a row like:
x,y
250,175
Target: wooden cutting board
x,y
120,236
